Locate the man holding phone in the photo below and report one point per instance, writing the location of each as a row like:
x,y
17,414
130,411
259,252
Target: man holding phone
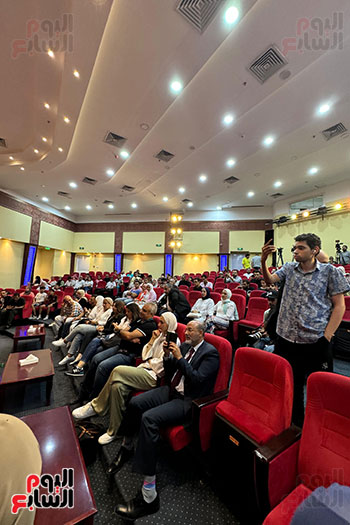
x,y
190,372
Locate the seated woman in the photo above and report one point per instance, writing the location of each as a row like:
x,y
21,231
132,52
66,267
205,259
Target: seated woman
x,y
203,308
148,295
87,330
124,379
224,312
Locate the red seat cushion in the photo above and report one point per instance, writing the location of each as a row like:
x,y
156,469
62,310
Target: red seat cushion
x,y
177,436
283,513
222,333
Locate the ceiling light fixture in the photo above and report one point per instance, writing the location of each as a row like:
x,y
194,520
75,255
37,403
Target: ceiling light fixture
x,y
44,139
134,205
338,206
88,207
179,244
51,53
124,154
67,208
230,163
218,208
203,178
182,189
76,73
306,213
172,244
22,168
278,184
11,158
231,15
324,108
36,151
189,204
66,119
176,86
165,198
47,105
60,150
250,194
111,206
73,184
228,119
268,141
45,199
110,172
294,216
313,170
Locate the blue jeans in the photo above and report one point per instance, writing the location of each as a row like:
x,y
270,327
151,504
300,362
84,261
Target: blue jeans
x,y
92,349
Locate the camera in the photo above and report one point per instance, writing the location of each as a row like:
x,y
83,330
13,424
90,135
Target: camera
x,y
338,245
255,337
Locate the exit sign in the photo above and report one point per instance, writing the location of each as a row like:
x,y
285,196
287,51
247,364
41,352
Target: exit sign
x,y
158,245
240,249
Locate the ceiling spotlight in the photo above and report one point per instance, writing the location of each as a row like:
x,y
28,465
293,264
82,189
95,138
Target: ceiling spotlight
x,y
11,158
228,119
47,105
231,15
88,207
278,184
173,231
172,244
111,206
294,216
60,150
179,231
218,208
306,213
22,168
165,198
124,154
66,119
179,244
45,199
176,86
36,151
182,189
51,53
134,205
268,141
230,163
144,126
190,204
67,208
44,139
324,108
73,184
313,170
110,173
76,73
203,178
250,194
338,206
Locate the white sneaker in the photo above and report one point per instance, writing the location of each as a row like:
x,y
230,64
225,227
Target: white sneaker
x,y
46,318
106,438
66,359
51,325
84,411
60,342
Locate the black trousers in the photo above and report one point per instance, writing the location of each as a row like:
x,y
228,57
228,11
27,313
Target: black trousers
x,y
304,359
152,411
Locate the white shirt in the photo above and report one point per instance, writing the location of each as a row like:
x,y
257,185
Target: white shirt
x,y
180,387
208,285
204,307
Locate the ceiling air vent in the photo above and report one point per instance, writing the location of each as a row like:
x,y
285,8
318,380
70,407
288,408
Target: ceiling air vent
x,y
87,180
3,143
334,131
251,206
107,202
231,180
276,195
267,64
199,13
185,201
64,194
114,139
165,156
116,214
127,188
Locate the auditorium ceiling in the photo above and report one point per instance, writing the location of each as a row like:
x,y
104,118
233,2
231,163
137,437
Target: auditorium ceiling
x,y
236,97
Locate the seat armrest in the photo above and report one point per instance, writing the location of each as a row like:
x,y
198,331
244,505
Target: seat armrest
x,y
278,444
201,402
203,414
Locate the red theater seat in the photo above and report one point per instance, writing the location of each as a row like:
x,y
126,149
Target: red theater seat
x,y
193,297
215,296
346,316
256,293
255,313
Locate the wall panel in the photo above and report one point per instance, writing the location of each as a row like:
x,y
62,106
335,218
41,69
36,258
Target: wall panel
x,y
61,262
143,242
101,242
195,263
14,226
11,256
55,237
200,242
249,240
149,263
44,263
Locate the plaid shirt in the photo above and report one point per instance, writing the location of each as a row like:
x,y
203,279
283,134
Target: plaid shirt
x,y
72,310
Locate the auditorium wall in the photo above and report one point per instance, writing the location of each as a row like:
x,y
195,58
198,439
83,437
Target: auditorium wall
x,y
196,242
149,263
55,237
44,263
11,256
102,242
61,262
14,226
101,262
143,242
251,241
195,263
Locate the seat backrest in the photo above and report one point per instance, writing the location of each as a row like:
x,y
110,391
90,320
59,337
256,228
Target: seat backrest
x,y
240,303
159,291
262,387
101,285
239,291
183,287
215,296
324,455
193,296
256,308
185,292
181,331
232,286
347,308
69,290
225,352
253,286
256,293
219,287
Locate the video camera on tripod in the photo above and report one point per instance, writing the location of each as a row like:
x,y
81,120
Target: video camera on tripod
x,y
338,245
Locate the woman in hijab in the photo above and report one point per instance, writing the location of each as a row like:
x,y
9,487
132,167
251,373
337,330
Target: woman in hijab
x,y
224,312
148,295
203,308
124,379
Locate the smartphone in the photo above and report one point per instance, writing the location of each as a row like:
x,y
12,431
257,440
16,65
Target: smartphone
x,y
171,337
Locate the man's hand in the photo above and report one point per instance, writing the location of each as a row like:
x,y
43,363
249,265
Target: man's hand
x,y
266,250
137,340
99,328
328,336
175,350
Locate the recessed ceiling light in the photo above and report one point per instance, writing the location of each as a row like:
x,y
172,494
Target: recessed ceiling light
x,y
11,158
190,204
278,184
182,189
111,206
231,15
36,151
76,73
203,177
306,213
51,53
88,207
66,119
144,126
124,154
218,208
47,105
250,194
165,198
110,172
60,150
22,168
133,205
67,208
323,108
230,163
294,216
73,184
313,170
176,86
228,119
45,199
268,141
44,139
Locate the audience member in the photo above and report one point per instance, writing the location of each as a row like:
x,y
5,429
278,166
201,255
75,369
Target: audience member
x,y
246,261
225,311
39,301
205,283
202,308
261,338
256,262
15,307
344,256
177,303
235,277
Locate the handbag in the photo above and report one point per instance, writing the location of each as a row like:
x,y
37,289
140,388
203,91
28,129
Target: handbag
x,y
88,434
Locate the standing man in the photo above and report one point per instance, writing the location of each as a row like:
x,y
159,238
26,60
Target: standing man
x,y
246,261
311,310
344,256
256,262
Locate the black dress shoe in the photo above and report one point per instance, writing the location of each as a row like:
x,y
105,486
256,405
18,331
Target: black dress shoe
x,y
122,457
136,508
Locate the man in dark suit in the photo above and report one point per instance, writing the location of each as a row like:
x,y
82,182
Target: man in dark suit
x,y
190,372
